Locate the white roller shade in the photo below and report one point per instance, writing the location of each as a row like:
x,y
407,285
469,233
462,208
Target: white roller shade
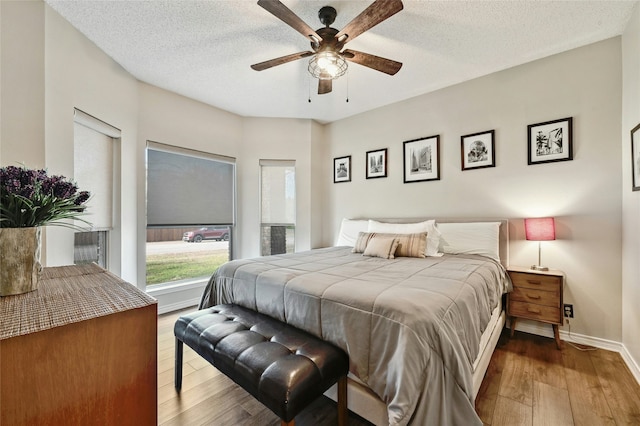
x,y
96,124
188,188
93,166
278,191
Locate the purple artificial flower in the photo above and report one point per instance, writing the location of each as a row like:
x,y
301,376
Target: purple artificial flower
x,y
82,198
32,198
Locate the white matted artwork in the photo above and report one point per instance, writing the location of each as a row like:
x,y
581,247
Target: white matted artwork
x,y
422,159
550,141
478,150
376,164
342,169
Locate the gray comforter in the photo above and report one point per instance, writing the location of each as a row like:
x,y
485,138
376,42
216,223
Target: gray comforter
x,y
411,326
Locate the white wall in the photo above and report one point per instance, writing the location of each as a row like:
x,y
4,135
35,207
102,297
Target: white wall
x,y
317,168
172,119
630,199
273,139
48,68
583,195
79,75
22,83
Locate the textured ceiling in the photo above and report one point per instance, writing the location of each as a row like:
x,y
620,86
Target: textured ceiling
x,y
203,49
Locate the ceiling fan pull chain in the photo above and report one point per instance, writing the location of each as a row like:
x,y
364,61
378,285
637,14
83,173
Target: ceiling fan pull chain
x,y
348,72
309,89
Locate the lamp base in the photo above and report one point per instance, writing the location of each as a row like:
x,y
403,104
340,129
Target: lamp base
x,y
539,268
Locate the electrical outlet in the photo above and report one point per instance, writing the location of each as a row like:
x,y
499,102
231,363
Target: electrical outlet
x,y
568,311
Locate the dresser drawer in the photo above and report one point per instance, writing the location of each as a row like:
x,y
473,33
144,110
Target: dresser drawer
x,y
536,281
539,297
534,312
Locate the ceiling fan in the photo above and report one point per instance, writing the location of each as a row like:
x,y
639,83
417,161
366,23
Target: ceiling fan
x,y
328,60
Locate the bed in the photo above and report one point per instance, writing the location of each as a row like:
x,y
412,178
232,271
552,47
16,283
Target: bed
x,y
419,330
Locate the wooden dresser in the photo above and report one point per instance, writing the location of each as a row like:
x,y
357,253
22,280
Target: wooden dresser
x,y
536,295
80,350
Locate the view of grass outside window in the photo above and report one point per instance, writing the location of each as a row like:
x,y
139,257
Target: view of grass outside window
x,y
181,255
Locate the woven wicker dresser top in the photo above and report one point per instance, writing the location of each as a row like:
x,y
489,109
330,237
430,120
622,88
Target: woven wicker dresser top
x,y
65,295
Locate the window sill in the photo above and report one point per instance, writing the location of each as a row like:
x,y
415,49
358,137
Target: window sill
x,y
175,287
177,296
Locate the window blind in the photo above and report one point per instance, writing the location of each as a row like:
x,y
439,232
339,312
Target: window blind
x,y
93,164
278,192
189,188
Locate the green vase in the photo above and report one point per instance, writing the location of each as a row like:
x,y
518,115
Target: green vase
x,y
19,260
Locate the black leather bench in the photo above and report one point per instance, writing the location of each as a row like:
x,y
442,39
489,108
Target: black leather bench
x,y
283,367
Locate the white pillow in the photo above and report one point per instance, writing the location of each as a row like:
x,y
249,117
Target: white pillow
x,y
349,230
470,238
428,226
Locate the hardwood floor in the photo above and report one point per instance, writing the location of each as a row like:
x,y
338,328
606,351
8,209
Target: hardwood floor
x,y
528,382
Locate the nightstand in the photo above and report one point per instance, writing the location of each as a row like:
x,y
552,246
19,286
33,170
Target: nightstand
x,y
536,295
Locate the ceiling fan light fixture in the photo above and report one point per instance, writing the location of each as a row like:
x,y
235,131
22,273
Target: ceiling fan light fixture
x,y
327,65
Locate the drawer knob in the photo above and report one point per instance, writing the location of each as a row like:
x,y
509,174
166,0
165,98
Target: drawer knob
x,y
534,282
533,311
533,296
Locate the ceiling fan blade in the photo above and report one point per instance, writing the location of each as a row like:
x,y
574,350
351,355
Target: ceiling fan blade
x,y
377,12
279,61
377,63
282,12
324,86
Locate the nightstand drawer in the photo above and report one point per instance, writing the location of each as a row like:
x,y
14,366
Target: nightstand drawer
x,y
534,312
539,297
536,281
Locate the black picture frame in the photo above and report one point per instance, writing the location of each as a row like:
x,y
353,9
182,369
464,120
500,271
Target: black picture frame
x,y
550,141
376,166
421,159
635,158
478,150
342,169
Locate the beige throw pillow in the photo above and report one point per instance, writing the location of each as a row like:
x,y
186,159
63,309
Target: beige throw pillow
x,y
409,245
381,246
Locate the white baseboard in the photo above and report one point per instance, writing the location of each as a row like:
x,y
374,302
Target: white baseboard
x,y
546,330
631,363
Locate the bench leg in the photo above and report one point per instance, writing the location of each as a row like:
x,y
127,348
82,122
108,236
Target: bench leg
x,y
178,366
343,413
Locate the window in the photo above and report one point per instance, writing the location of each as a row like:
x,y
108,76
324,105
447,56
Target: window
x,y
90,247
277,206
190,214
95,152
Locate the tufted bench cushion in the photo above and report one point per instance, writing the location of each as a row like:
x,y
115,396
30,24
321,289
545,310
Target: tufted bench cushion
x,y
283,367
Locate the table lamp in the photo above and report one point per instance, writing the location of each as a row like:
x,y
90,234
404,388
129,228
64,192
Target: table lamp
x,y
540,229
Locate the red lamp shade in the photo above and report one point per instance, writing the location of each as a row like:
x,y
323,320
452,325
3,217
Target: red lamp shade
x,y
540,229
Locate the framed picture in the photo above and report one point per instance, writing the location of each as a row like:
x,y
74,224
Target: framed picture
x,y
478,150
376,164
422,159
342,169
635,158
550,141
